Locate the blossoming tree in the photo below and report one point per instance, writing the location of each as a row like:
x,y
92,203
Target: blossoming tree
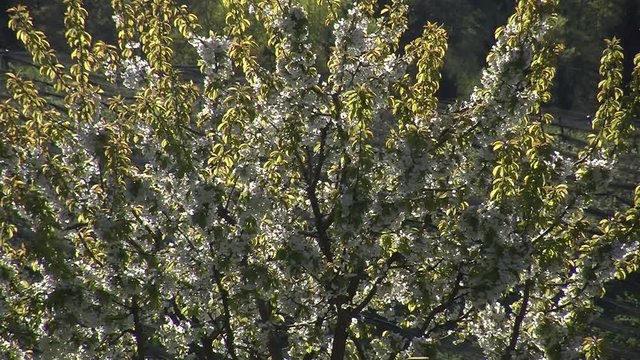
x,y
276,212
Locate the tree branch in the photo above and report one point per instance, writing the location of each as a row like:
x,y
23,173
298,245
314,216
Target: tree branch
x,y
518,322
275,337
138,332
229,335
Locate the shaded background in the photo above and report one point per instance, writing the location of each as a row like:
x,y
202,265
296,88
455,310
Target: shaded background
x,y
470,25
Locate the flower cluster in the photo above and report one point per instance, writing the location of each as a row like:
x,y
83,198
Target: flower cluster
x,y
213,52
134,71
281,212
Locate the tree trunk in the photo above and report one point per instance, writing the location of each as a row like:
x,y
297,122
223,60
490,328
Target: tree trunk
x,y
340,335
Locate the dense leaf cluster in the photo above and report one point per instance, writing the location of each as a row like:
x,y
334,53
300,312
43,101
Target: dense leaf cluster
x,y
276,210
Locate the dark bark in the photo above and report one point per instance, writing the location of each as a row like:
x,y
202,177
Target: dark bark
x,y
340,334
454,295
229,335
513,342
445,305
344,317
322,221
276,339
138,330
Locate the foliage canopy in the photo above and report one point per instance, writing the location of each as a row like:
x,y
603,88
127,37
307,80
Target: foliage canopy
x,y
275,210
